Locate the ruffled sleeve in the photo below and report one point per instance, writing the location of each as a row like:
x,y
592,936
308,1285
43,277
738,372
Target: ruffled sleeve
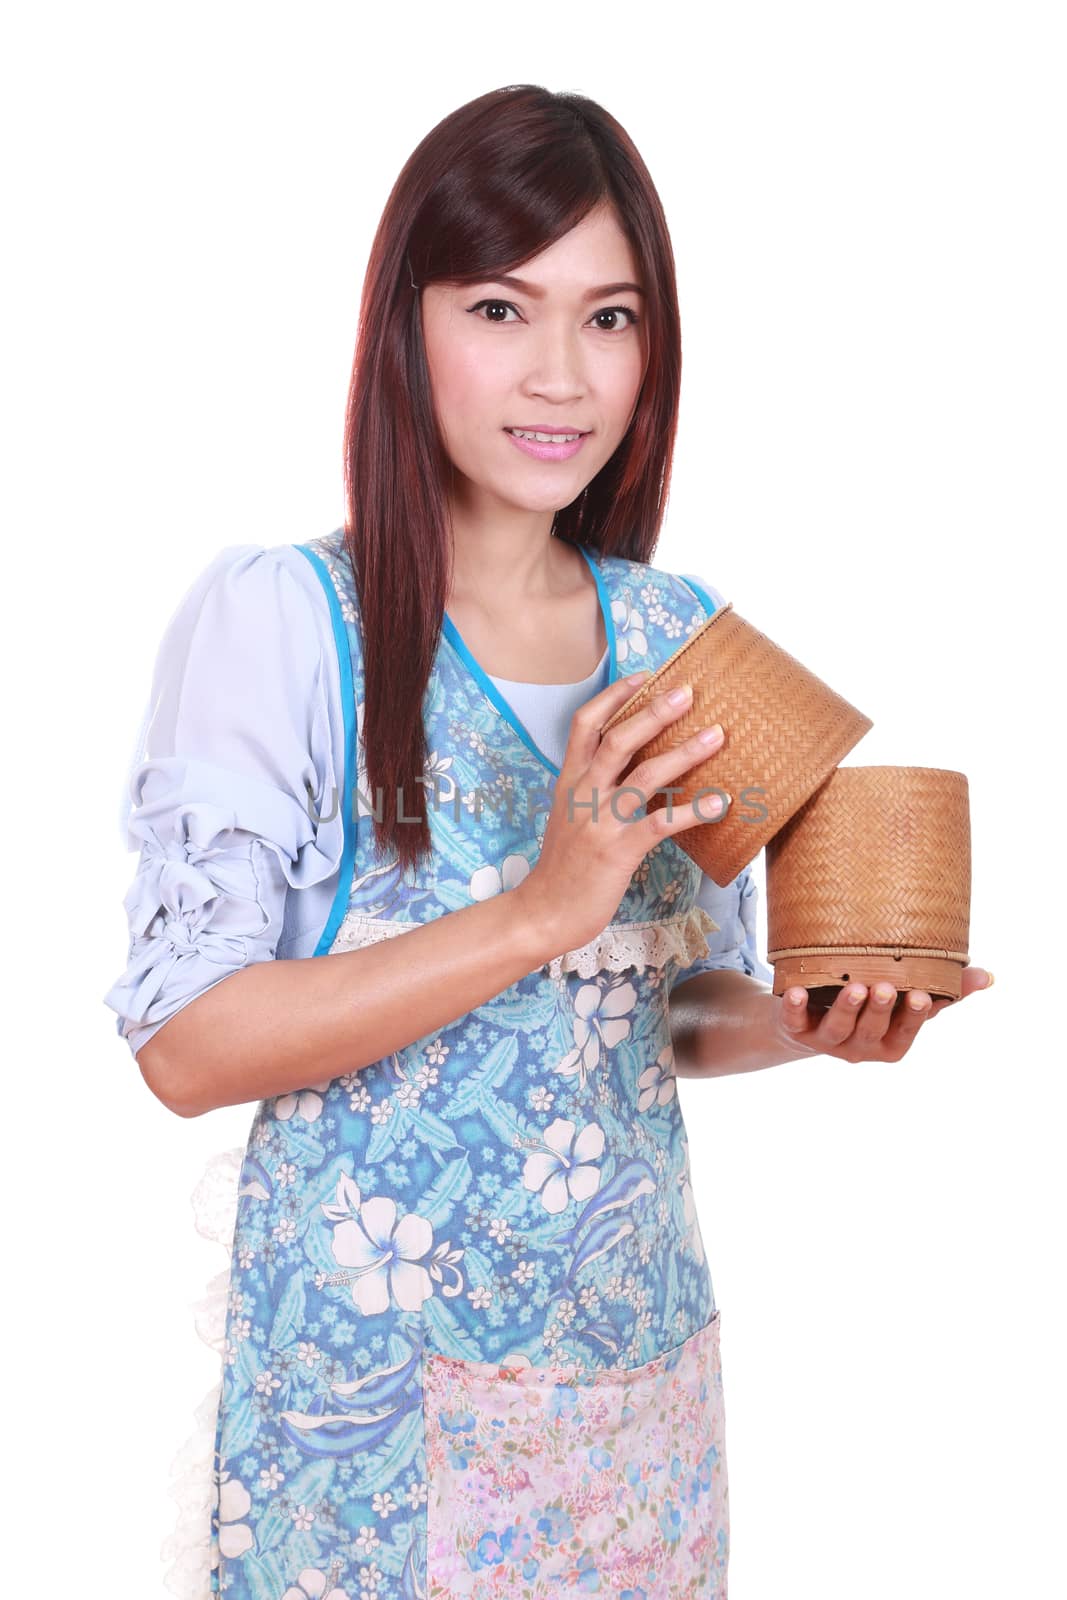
x,y
235,800
733,944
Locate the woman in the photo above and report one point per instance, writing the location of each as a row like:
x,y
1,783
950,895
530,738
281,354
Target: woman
x,y
471,1342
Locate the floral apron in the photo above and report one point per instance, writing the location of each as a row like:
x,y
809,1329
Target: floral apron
x,y
471,1344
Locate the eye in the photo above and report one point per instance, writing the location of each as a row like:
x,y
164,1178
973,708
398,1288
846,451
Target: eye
x,y
614,311
606,311
503,304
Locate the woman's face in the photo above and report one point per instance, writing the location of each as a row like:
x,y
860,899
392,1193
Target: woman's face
x,y
563,354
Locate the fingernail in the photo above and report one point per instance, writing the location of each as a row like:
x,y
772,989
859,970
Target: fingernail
x,y
635,677
989,980
855,996
797,997
676,696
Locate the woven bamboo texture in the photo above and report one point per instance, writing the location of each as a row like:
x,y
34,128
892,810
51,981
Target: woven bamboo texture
x,y
872,878
784,731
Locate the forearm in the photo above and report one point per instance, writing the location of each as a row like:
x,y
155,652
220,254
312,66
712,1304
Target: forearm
x,y
277,1026
725,1022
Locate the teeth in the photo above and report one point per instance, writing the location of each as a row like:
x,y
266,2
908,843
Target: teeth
x,y
545,438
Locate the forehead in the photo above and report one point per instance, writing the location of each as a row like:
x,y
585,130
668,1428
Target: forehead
x,y
595,258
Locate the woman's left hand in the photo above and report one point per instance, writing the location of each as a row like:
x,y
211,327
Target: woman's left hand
x,y
873,1028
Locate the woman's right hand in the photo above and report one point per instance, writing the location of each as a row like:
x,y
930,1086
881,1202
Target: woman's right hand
x,y
589,853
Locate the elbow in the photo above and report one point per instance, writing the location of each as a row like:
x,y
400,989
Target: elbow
x,y
164,1078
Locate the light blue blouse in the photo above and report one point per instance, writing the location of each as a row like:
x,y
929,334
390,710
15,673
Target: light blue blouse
x,y
241,746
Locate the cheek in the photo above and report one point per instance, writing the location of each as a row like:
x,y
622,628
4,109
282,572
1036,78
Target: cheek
x,y
622,381
469,382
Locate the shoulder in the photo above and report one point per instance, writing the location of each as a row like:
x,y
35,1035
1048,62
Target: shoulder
x,y
248,638
692,596
246,587
245,687
327,559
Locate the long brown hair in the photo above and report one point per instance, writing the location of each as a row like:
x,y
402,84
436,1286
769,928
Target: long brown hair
x,y
495,182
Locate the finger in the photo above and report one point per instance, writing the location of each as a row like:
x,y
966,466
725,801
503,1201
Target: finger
x,y
656,772
974,978
623,738
798,1018
584,738
908,1018
667,820
876,1015
839,1022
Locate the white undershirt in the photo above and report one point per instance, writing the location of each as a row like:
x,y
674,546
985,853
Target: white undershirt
x,y
545,709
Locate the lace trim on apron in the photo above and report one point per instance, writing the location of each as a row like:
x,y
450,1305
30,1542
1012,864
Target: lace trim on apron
x,y
620,945
193,1482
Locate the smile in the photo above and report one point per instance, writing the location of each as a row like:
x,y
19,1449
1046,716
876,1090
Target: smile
x,y
547,446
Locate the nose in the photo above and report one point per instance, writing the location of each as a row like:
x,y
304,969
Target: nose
x,y
557,363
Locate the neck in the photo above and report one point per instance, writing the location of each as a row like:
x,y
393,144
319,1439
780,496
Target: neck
x,y
495,570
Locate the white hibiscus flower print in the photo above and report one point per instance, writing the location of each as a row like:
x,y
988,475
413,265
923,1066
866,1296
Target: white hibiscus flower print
x,y
565,1169
438,779
600,1019
657,1083
488,881
232,1502
306,1103
630,636
311,1584
385,1254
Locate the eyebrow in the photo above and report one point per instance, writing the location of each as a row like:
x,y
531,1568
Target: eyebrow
x,y
537,293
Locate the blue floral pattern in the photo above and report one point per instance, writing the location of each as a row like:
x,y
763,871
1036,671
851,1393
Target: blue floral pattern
x,y
512,1190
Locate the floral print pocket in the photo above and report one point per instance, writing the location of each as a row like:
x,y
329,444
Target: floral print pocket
x,y
560,1481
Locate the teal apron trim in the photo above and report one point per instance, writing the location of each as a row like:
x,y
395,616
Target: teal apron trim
x,y
605,606
704,597
489,688
348,704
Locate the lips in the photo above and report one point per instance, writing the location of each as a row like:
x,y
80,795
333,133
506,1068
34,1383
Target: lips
x,y
542,451
545,427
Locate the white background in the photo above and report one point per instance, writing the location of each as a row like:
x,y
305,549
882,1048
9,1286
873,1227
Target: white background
x,y
866,205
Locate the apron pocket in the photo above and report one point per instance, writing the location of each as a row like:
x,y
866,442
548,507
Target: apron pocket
x,y
564,1480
